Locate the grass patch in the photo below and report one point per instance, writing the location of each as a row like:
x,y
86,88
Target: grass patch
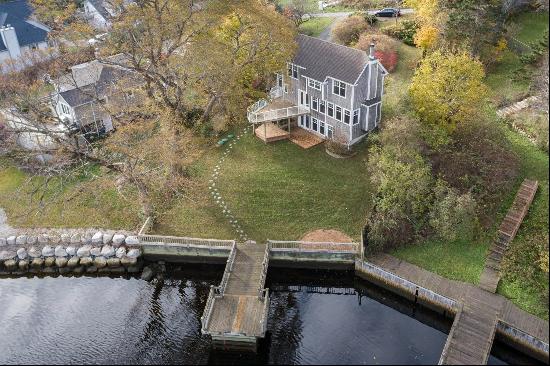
x,y
530,26
280,191
315,26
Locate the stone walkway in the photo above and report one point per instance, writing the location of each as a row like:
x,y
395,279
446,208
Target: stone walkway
x,y
214,191
516,107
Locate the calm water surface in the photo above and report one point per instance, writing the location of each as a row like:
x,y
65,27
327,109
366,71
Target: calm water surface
x,y
115,320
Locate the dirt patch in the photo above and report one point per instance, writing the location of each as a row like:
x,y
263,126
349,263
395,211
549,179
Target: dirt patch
x,y
323,235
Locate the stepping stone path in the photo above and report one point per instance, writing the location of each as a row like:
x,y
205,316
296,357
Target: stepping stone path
x,y
214,192
516,107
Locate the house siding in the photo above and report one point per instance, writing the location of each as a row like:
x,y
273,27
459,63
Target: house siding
x,y
366,88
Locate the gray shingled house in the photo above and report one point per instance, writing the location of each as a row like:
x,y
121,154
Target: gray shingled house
x,y
81,95
330,90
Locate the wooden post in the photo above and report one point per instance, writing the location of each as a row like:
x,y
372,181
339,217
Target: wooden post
x,y
265,132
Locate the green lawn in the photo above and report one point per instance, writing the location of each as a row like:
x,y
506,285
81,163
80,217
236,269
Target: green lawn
x,y
531,26
280,191
276,191
315,26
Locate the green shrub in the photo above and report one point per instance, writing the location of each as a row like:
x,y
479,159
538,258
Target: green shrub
x,y
404,31
453,215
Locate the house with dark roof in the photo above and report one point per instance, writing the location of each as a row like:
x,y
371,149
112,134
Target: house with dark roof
x,y
81,96
20,35
332,91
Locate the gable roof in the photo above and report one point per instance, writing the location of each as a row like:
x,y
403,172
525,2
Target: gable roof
x,y
89,81
99,5
321,59
16,13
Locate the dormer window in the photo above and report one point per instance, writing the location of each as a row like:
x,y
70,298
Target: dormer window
x,y
293,71
339,88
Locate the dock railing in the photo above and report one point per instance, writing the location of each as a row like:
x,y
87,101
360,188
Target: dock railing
x,y
265,312
220,290
205,318
444,353
314,246
185,241
263,275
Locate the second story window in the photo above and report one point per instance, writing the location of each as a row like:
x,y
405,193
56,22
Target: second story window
x,y
314,84
314,103
339,88
338,113
330,109
65,109
293,71
322,106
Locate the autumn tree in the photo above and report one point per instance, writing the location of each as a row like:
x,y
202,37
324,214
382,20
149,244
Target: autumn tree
x,y
298,11
446,90
430,18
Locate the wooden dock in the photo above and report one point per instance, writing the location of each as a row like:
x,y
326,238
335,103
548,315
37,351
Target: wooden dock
x,y
480,315
506,233
236,312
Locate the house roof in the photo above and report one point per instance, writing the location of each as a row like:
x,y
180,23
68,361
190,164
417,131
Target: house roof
x,y
16,13
90,81
101,8
321,59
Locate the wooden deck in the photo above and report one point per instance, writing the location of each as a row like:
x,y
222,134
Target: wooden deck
x,y
270,132
506,233
305,139
240,310
471,336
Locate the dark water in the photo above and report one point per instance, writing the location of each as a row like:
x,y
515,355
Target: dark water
x,y
114,320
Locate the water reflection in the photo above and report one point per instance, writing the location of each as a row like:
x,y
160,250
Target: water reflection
x,y
315,317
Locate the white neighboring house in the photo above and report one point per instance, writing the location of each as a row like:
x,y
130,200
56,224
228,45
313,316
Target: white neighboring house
x,y
81,95
99,13
20,36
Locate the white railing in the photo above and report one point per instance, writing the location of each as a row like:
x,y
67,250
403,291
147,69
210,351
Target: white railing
x,y
265,312
277,114
205,318
256,107
185,241
276,92
220,290
314,246
263,275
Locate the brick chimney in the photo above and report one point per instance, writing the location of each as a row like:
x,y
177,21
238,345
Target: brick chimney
x,y
10,40
371,52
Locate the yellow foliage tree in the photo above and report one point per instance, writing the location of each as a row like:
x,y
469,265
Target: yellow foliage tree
x,y
426,37
447,89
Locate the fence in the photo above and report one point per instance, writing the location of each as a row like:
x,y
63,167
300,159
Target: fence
x,y
265,313
314,246
227,272
185,241
205,318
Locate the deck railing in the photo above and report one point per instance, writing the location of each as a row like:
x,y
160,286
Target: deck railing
x,y
314,246
276,92
205,318
277,114
254,108
220,290
177,240
265,312
263,275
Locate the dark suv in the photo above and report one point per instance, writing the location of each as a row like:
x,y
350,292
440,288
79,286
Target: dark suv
x,y
388,12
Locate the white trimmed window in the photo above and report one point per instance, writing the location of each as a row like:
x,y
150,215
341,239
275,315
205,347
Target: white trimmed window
x,y
65,109
356,116
330,109
347,117
314,84
322,106
293,71
314,103
339,88
338,114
